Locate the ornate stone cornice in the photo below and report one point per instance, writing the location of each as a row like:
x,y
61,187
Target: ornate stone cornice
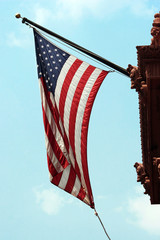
x,y
145,79
147,55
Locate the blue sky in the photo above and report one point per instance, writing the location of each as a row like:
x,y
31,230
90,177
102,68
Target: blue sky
x,y
30,206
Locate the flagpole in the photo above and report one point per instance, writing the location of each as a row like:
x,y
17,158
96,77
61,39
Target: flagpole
x,y
84,50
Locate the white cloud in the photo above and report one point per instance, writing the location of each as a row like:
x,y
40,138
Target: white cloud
x,y
141,8
102,197
20,41
76,10
143,214
13,40
41,14
50,200
118,209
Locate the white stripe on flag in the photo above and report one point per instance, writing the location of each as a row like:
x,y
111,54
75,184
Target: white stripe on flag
x,y
70,94
62,76
56,133
64,178
54,105
77,187
52,156
71,157
79,117
86,200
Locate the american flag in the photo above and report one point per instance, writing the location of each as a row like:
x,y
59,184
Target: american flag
x,y
68,88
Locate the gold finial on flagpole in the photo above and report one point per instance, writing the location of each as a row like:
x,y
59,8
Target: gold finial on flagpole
x,y
18,15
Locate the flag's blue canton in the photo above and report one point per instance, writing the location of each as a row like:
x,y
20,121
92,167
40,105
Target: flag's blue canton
x,y
50,60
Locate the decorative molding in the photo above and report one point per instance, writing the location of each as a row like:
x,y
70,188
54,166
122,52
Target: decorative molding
x,y
145,79
142,177
156,164
155,31
134,74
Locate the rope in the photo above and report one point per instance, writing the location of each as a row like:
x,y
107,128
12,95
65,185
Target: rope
x,y
102,224
75,50
78,51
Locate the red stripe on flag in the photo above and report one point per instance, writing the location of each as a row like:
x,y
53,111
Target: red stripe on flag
x,y
84,131
66,85
64,136
51,168
81,195
55,114
77,170
57,179
75,103
53,109
56,149
71,180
